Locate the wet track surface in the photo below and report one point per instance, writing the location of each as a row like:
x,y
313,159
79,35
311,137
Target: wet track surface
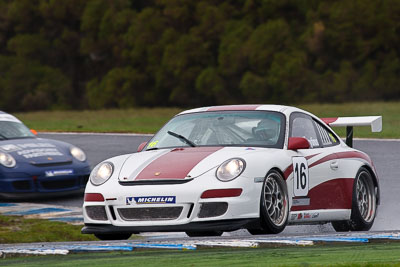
x,y
384,153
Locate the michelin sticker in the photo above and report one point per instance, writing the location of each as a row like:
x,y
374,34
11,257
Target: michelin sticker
x,y
151,200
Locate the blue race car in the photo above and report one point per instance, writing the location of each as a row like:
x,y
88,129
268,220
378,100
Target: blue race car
x,y
37,167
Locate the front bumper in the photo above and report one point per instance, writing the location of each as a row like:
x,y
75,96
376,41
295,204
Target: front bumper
x,y
223,225
188,210
33,183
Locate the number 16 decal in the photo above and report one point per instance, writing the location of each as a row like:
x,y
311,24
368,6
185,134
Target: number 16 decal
x,y
300,177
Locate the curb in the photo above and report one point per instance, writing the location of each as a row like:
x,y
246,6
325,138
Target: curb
x,y
71,215
192,244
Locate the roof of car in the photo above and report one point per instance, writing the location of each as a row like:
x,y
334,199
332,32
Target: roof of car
x,y
278,108
4,116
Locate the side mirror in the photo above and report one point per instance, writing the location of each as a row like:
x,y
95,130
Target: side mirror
x,y
141,146
298,143
34,132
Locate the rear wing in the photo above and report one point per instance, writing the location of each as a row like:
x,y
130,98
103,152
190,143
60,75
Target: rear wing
x,y
374,121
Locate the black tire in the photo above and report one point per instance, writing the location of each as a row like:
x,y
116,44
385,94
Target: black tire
x,y
113,236
364,207
204,233
274,205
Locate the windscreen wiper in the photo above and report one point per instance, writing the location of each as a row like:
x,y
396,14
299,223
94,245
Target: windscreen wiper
x,y
182,138
153,148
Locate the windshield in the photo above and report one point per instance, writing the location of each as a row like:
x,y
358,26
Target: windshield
x,y
14,130
227,128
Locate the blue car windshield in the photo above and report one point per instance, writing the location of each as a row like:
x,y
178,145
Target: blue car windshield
x,y
14,130
222,128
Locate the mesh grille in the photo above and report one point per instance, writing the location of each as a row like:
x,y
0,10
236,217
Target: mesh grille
x,y
22,185
212,209
59,184
96,213
148,214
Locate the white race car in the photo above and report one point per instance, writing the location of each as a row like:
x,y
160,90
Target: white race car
x,y
223,168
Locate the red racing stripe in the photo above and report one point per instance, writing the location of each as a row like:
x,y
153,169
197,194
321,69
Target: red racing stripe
x,y
311,156
339,155
176,164
289,169
354,154
324,159
333,194
234,107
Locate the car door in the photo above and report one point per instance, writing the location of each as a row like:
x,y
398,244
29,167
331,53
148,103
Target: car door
x,y
313,168
336,186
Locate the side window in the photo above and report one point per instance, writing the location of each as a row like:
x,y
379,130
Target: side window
x,y
327,137
302,126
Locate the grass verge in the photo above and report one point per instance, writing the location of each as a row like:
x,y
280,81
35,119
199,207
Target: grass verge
x,y
16,229
149,120
374,254
140,120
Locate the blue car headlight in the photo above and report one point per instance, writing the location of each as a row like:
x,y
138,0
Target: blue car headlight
x,y
77,153
7,160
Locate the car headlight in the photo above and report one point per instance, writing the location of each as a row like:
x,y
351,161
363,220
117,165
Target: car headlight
x,y
7,160
78,153
230,169
101,173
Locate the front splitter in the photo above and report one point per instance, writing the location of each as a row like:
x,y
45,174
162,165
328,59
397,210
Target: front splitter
x,y
223,225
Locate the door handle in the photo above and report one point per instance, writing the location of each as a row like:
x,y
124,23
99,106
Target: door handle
x,y
334,165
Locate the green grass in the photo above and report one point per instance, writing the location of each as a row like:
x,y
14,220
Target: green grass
x,y
147,120
375,254
16,229
141,120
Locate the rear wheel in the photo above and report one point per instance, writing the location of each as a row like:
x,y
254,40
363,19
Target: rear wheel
x,y
113,236
204,233
364,207
274,206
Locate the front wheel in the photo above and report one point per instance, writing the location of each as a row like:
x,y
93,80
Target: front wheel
x,y
274,205
363,210
113,236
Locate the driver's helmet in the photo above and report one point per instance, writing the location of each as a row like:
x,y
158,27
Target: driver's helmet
x,y
267,129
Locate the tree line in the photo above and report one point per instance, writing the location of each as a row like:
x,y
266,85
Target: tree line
x,y
81,54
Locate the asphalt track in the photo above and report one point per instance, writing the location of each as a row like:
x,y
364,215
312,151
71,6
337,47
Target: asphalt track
x,y
384,153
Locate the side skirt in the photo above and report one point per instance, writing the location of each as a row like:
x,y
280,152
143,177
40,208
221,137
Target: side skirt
x,y
318,216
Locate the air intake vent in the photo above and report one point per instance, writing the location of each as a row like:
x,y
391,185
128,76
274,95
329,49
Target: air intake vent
x,y
212,209
150,214
59,184
96,213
